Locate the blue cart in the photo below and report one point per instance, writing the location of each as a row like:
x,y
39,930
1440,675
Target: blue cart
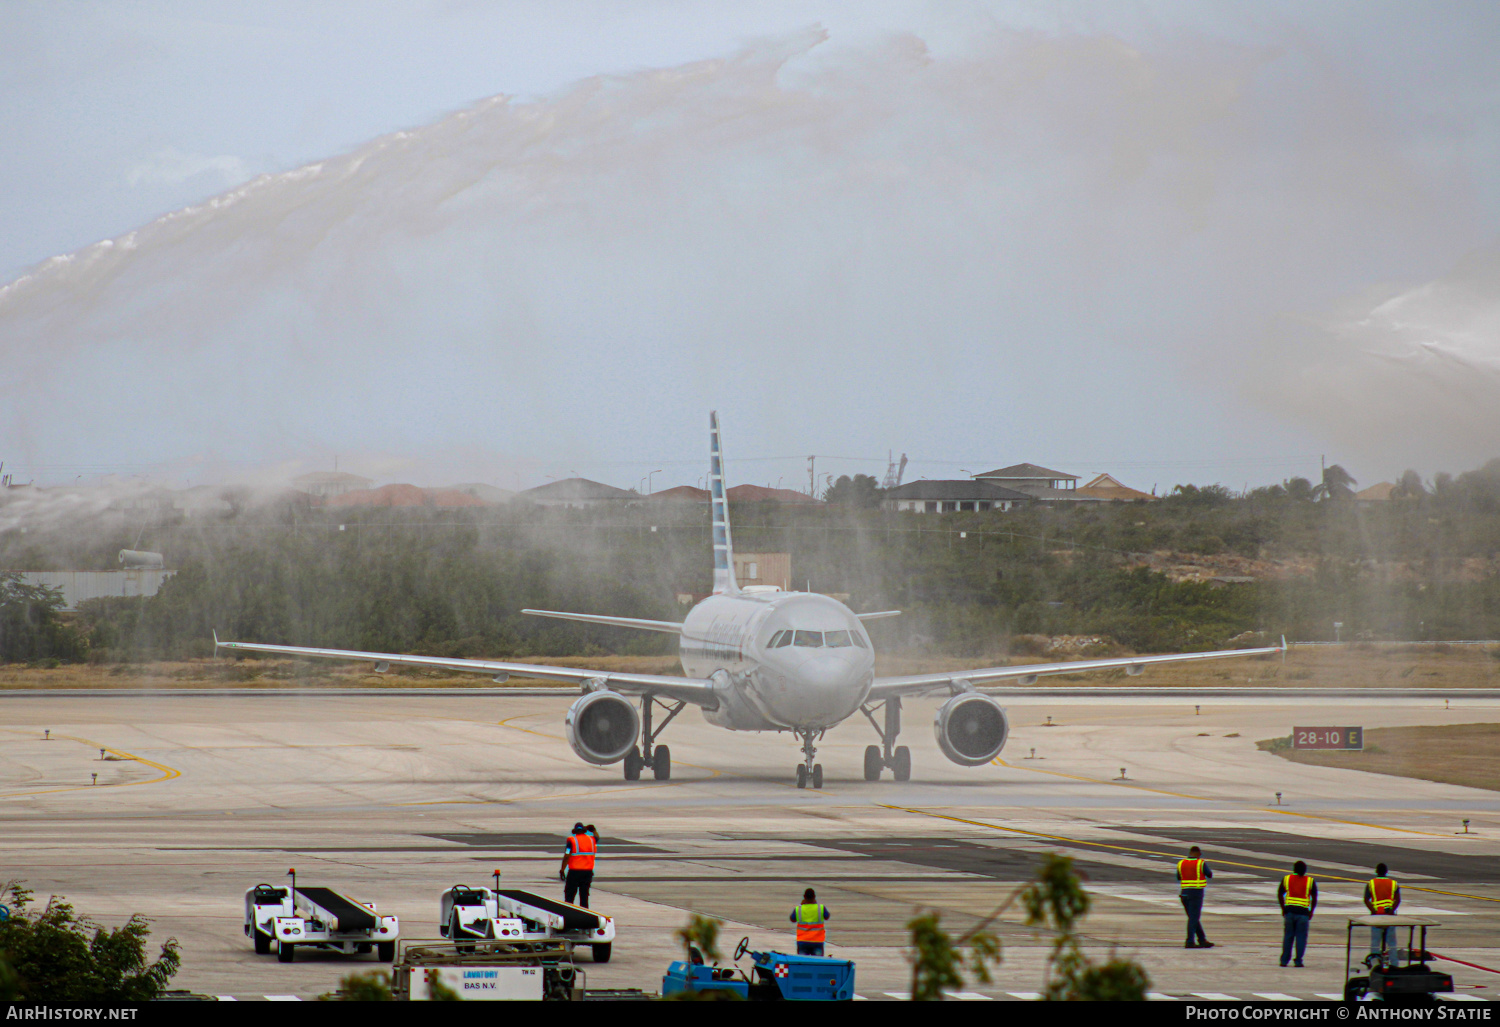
x,y
776,976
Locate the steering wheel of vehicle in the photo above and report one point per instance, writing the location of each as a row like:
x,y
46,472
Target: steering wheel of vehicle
x,y
741,948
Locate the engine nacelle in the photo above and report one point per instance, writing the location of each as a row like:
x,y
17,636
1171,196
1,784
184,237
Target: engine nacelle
x,y
971,729
602,727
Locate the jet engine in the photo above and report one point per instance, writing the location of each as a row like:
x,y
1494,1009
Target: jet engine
x,y
602,727
971,729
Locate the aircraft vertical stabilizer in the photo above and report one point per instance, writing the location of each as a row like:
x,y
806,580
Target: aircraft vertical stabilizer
x,y
724,582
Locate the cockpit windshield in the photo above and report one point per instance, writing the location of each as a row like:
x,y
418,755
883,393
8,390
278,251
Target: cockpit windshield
x,y
816,639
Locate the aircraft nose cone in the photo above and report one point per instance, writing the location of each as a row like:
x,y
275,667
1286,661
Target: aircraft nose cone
x,y
824,686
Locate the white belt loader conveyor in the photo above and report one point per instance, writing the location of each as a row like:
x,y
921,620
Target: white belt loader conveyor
x,y
319,918
504,914
488,971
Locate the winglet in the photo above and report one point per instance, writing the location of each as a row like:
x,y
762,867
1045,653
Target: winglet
x,y
724,582
216,641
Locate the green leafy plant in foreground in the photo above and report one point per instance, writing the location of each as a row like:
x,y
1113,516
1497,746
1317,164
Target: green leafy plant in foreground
x,y
54,955
1057,900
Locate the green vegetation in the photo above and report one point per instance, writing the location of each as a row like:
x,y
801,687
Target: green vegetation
x,y
938,960
1425,566
1056,900
54,955
31,629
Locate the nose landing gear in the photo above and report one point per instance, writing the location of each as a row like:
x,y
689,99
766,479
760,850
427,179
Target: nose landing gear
x,y
807,769
887,753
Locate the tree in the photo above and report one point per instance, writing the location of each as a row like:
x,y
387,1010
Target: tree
x,y
30,628
1337,484
1195,495
938,960
54,955
1056,900
862,492
1409,486
702,933
1299,490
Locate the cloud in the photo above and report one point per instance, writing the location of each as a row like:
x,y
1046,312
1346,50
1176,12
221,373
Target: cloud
x,y
173,167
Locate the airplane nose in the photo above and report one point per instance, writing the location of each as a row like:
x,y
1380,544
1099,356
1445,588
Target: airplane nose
x,y
824,687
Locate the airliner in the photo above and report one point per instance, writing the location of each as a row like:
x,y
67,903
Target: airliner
x,y
761,659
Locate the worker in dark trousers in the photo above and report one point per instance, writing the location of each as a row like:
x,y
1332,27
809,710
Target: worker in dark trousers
x,y
1298,898
1382,898
1193,876
810,917
577,870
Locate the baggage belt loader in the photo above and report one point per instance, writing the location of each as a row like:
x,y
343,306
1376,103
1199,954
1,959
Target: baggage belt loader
x,y
316,918
469,914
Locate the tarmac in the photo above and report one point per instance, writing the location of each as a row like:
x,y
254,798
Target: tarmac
x,y
393,796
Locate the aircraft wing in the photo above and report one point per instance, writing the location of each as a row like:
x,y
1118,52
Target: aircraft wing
x,y
1026,674
698,691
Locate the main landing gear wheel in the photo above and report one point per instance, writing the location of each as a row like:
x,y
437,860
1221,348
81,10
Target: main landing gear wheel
x,y
873,763
901,766
817,777
633,764
801,775
285,952
661,763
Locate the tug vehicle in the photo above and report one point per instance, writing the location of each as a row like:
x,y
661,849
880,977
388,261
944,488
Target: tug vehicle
x,y
1397,976
777,977
468,915
313,917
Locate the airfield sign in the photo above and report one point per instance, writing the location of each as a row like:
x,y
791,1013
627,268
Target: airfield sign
x,y
1328,738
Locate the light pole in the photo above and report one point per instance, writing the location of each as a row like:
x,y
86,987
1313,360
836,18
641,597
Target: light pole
x,y
649,486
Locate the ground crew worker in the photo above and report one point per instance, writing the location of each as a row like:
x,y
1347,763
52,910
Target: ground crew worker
x,y
1382,897
577,870
1193,875
810,916
1298,897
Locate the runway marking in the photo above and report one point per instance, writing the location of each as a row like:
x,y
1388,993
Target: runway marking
x,y
1215,996
1158,996
1156,852
1276,996
1203,798
168,773
1026,996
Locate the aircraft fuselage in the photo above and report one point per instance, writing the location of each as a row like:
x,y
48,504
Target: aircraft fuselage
x,y
795,660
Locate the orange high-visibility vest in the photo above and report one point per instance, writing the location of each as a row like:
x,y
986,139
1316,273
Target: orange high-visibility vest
x,y
810,922
581,849
1298,890
1191,872
1383,894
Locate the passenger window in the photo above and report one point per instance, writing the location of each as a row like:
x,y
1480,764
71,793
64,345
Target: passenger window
x,y
837,639
810,639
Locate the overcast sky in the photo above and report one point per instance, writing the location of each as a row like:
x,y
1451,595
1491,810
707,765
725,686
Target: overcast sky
x,y
502,241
